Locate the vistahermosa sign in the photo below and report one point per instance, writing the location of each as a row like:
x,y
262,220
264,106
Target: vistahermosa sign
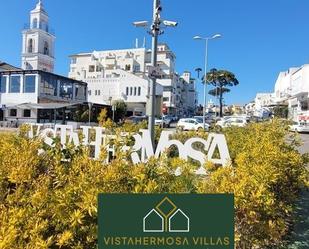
x,y
142,148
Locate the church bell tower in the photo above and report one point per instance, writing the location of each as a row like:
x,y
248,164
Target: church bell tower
x,y
38,42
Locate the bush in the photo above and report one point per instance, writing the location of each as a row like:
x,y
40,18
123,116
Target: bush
x,y
46,202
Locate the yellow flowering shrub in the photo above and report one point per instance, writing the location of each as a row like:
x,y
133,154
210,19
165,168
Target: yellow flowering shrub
x,y
46,202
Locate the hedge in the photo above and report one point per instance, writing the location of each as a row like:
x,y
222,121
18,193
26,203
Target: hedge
x,y
46,202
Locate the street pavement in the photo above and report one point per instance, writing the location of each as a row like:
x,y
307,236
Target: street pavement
x,y
304,148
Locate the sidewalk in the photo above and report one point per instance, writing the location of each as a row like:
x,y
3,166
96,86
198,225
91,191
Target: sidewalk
x,y
300,235
299,238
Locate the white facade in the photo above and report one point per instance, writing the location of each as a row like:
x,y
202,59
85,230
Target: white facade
x,y
263,100
115,75
291,90
38,42
293,87
187,94
111,75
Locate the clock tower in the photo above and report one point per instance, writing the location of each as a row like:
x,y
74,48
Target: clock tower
x,y
38,42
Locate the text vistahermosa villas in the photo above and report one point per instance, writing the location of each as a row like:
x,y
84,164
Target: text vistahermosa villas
x,y
166,241
215,145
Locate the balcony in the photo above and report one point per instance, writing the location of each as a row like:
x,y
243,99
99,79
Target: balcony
x,y
41,26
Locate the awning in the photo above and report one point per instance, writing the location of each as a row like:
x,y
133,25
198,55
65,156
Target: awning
x,y
43,105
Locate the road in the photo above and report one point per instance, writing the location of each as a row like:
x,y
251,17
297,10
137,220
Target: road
x,y
304,148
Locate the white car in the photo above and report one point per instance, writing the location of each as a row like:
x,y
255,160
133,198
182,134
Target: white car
x,y
299,127
234,121
166,121
191,124
221,121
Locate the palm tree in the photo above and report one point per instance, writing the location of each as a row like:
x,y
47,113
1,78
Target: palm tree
x,y
220,79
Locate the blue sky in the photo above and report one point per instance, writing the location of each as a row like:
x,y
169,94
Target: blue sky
x,y
260,37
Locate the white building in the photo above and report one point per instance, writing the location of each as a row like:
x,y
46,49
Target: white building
x,y
188,94
123,75
115,75
38,96
264,100
38,42
292,89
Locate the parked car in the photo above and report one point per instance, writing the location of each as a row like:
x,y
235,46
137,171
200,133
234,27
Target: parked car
x,y
299,127
208,119
173,118
234,121
136,119
221,121
164,121
191,124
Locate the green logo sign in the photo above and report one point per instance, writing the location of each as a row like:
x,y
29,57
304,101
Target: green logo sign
x,y
166,221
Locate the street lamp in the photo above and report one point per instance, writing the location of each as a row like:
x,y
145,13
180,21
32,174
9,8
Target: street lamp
x,y
206,39
155,30
89,114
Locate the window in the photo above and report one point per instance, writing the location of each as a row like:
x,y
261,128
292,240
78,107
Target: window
x,y
134,91
139,91
127,91
13,112
131,91
304,105
99,69
73,61
3,82
128,67
35,23
15,84
137,68
27,113
97,92
91,68
80,92
46,48
165,98
29,84
66,89
49,84
30,46
89,92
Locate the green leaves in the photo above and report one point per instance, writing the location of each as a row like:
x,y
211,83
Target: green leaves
x,y
49,203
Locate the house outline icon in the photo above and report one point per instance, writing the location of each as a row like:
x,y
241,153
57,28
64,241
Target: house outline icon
x,y
166,220
179,230
153,230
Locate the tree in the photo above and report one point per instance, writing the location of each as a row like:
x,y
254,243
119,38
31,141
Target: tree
x,y
281,111
220,79
121,109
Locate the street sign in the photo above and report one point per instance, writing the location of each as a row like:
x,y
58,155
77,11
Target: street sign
x,y
154,72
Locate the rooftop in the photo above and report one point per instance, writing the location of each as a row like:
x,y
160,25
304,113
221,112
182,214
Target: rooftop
x,y
6,67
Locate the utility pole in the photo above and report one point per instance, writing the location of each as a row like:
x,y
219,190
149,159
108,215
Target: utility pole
x,y
154,31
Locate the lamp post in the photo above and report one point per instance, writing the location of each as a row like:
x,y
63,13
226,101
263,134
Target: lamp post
x,y
112,107
89,116
155,31
206,39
